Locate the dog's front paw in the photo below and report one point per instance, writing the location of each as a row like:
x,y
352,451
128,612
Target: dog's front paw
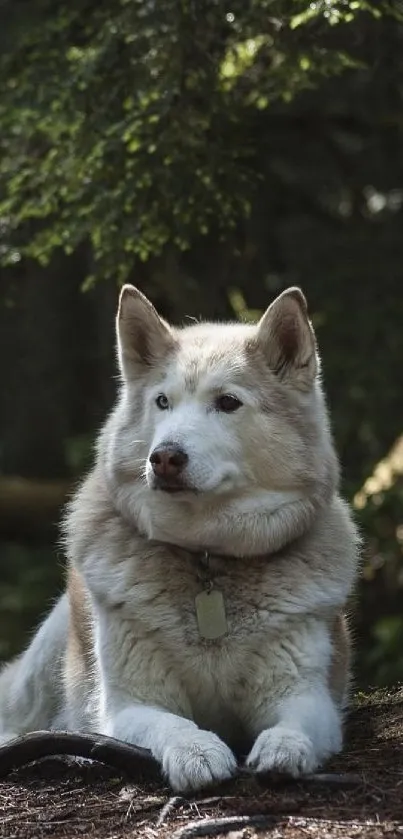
x,y
197,760
283,750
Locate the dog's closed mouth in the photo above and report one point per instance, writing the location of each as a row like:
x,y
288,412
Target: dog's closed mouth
x,y
168,488
172,488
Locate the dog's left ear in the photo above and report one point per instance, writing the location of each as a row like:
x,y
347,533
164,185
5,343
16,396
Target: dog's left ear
x,y
287,339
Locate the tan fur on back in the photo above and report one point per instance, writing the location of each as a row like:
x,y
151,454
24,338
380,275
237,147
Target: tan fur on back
x,y
80,646
341,659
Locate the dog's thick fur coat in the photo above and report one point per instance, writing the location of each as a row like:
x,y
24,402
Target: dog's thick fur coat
x,y
236,413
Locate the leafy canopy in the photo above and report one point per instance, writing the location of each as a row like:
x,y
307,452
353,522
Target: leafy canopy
x,y
130,123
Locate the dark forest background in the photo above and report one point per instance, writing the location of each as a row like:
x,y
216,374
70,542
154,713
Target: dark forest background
x,y
212,153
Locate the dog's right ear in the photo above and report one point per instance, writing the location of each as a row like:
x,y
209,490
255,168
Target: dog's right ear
x,y
143,337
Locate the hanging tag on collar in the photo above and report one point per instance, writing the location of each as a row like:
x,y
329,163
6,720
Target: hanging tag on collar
x,y
210,613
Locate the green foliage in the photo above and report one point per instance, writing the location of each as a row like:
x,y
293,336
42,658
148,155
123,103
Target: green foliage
x,y
381,634
128,123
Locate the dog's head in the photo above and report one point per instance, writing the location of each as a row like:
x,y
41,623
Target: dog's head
x,y
222,421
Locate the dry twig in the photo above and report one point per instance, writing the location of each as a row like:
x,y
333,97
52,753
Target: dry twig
x,y
214,827
168,807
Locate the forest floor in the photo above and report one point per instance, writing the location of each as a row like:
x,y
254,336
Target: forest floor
x,y
359,797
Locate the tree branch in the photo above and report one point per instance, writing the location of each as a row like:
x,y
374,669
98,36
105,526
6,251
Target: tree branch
x,y
133,760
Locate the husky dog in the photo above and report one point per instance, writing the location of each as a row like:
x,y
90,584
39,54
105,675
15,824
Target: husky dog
x,y
210,558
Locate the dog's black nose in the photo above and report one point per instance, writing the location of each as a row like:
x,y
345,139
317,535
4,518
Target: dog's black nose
x,y
168,461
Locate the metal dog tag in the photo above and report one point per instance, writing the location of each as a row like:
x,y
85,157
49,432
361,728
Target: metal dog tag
x,y
210,612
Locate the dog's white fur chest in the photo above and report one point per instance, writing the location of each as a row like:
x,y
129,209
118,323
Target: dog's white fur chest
x,y
147,635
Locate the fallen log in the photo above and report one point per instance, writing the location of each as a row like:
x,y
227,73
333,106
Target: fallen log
x,y
30,507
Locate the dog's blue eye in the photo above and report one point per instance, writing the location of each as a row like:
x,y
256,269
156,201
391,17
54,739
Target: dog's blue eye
x,y
162,402
227,403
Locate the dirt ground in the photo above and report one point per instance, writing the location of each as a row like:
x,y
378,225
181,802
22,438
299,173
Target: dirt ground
x,y
362,798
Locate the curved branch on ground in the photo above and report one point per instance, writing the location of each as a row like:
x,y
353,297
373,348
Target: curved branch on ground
x,y
133,760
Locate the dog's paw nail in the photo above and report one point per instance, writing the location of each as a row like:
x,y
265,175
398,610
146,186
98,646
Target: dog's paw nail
x,y
283,750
